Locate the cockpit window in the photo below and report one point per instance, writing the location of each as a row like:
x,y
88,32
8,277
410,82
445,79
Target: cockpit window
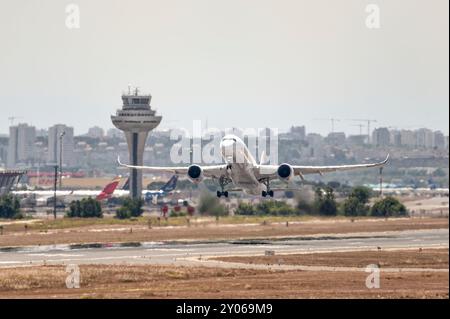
x,y
230,139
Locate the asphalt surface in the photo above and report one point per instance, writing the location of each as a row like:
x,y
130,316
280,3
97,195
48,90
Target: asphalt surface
x,y
198,252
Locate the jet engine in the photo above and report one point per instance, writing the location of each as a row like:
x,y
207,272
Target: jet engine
x,y
195,174
285,172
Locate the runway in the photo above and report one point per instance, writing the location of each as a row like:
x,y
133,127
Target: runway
x,y
197,252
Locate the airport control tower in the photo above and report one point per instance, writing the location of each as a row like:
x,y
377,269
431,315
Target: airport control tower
x,y
136,119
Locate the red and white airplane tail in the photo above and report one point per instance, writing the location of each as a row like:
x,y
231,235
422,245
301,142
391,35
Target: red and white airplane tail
x,y
109,189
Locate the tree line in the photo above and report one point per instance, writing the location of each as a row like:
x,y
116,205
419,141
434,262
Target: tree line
x,y
325,204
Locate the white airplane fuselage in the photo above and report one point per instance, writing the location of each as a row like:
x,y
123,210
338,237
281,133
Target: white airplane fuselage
x,y
242,163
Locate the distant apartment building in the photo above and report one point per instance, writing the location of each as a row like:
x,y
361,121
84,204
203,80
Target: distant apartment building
x,y
407,138
96,132
381,137
356,140
21,150
395,138
424,138
439,140
54,134
314,139
115,133
298,132
336,138
41,133
3,150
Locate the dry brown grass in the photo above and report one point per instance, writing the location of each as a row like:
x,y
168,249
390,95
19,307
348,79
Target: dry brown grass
x,y
137,281
414,258
121,233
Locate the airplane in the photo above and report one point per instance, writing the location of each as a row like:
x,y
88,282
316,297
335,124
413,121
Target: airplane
x,y
242,170
42,198
108,191
152,196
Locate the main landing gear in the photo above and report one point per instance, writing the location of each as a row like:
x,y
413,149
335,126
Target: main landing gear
x,y
269,192
223,181
220,194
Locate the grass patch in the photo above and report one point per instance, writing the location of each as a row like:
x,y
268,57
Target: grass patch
x,y
44,225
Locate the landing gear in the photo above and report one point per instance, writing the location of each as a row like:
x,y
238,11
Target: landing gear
x,y
269,192
223,181
220,194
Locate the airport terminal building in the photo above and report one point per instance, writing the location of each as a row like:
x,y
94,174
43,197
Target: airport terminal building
x,y
8,178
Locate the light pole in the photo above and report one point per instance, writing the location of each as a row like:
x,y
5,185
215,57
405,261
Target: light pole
x,y
381,182
60,157
54,191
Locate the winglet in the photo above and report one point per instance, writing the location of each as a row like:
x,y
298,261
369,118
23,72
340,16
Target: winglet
x,y
386,160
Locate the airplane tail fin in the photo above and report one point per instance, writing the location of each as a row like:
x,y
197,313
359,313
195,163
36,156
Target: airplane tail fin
x,y
126,186
264,159
171,184
109,189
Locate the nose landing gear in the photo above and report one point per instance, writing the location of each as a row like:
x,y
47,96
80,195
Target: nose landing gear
x,y
220,194
269,192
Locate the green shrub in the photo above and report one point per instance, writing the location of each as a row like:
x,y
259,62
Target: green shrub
x,y
362,193
275,208
130,208
245,209
266,208
388,206
10,207
123,213
86,208
181,213
304,207
355,204
210,205
325,205
353,207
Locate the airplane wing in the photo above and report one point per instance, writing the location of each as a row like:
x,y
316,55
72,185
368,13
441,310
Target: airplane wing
x,y
214,171
270,171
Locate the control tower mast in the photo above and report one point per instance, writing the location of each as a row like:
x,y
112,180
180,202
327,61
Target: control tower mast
x,y
136,119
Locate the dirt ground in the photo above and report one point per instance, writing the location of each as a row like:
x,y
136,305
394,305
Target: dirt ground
x,y
122,281
426,258
130,233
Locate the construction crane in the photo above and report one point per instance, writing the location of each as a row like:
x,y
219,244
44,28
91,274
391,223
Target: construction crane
x,y
13,118
369,121
360,128
332,120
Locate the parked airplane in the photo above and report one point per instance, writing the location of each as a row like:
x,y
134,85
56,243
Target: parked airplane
x,y
42,198
152,196
108,191
242,170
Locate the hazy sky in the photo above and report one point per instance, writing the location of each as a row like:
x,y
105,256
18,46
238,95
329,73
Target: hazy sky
x,y
243,63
